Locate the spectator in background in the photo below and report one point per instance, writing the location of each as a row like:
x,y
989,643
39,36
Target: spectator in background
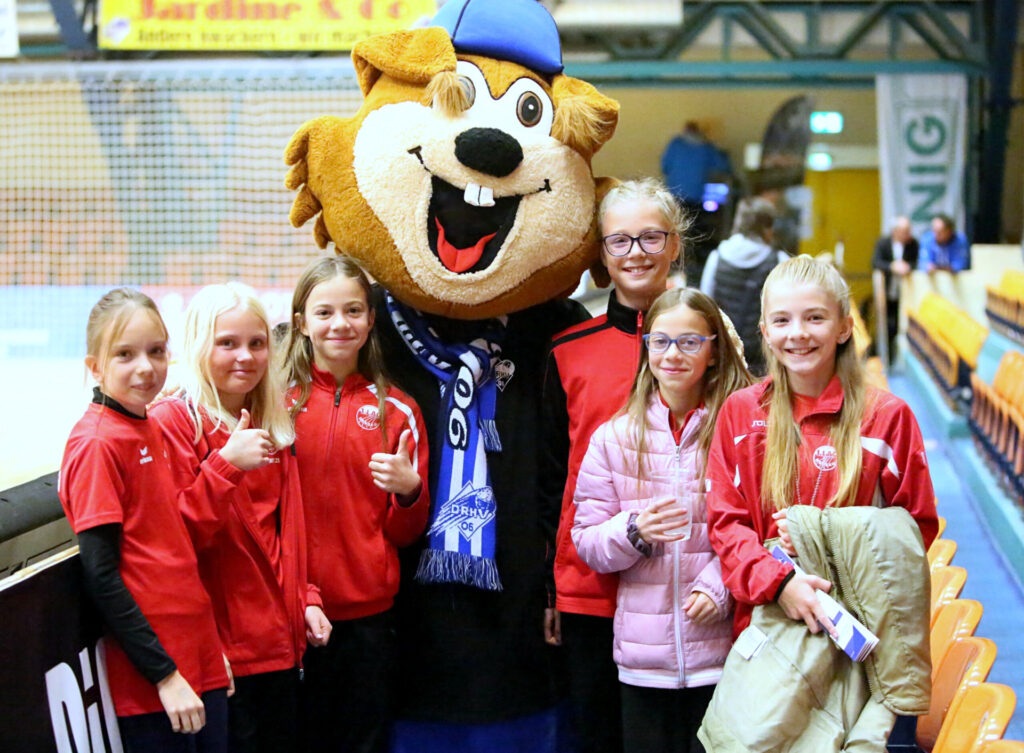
x,y
737,269
787,218
944,248
896,255
690,160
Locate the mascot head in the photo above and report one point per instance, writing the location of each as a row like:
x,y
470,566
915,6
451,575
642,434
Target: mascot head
x,y
463,183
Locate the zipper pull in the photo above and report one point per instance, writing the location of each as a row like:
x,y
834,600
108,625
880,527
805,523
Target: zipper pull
x,y
337,397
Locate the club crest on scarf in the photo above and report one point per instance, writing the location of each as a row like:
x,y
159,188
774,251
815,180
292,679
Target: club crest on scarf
x,y
467,512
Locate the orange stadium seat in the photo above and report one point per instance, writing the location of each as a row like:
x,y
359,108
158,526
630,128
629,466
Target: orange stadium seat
x,y
965,665
958,619
941,552
1006,301
947,583
942,525
977,717
997,418
1003,746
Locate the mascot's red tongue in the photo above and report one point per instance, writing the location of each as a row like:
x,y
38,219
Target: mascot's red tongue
x,y
459,259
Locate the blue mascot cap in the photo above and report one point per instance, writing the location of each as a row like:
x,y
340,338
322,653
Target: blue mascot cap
x,y
521,31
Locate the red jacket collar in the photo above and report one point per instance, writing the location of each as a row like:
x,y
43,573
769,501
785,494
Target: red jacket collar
x,y
325,380
830,401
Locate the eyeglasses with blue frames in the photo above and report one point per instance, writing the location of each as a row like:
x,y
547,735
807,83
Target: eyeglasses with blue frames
x,y
659,342
650,241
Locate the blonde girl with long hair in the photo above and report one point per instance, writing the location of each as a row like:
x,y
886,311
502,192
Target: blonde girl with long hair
x,y
164,663
362,459
640,513
813,433
230,438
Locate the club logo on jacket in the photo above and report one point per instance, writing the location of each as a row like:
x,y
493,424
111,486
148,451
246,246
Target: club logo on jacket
x,y
146,457
367,417
503,372
468,511
825,458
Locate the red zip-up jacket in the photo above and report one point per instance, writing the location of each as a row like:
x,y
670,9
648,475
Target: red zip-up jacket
x,y
894,472
116,471
355,528
589,373
256,579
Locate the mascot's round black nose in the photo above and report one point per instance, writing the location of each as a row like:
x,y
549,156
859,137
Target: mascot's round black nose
x,y
488,150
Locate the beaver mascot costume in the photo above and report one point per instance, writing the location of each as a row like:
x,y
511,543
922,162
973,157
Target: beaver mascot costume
x,y
463,185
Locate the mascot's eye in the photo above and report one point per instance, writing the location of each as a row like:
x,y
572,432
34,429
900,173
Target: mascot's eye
x,y
469,88
529,109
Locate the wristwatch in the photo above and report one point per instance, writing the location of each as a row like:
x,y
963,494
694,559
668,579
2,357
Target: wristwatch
x,y
633,534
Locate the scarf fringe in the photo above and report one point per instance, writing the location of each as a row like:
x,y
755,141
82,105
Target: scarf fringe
x,y
489,430
443,566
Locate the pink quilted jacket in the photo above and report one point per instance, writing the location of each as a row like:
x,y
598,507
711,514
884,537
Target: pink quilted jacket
x,y
656,645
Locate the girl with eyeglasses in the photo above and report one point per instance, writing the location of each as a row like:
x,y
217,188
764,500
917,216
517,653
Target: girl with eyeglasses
x,y
640,513
589,371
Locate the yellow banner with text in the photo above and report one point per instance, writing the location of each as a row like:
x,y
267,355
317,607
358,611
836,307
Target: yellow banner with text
x,y
253,25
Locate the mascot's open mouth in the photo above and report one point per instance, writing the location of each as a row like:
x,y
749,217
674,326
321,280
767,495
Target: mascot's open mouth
x,y
466,227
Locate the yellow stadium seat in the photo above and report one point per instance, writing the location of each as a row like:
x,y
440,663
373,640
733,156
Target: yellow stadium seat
x,y
941,552
947,583
965,665
942,524
978,717
956,620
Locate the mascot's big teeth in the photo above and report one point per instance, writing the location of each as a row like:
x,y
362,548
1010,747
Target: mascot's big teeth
x,y
479,196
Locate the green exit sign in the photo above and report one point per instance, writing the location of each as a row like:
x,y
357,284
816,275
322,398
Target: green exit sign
x,y
826,122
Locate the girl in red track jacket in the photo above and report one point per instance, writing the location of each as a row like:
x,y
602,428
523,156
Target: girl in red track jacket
x,y
164,665
363,464
812,434
589,372
239,492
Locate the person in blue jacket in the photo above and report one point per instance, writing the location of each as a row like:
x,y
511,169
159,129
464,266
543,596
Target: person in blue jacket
x,y
944,248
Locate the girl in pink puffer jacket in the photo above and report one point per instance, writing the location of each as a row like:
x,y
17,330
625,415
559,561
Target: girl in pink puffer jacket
x,y
640,512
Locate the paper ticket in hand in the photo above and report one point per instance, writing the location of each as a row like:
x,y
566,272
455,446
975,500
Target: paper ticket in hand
x,y
855,640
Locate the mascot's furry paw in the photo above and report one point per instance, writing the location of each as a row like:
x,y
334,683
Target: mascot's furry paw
x,y
463,184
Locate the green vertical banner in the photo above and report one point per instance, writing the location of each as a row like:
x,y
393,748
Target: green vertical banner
x,y
922,136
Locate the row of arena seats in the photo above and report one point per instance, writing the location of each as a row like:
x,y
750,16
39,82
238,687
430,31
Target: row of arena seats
x,y
949,341
1004,304
997,420
967,714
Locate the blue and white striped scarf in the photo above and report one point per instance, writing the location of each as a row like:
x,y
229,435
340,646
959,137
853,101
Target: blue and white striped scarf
x,y
463,527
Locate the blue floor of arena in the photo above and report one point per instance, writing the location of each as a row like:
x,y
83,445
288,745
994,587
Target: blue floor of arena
x,y
989,578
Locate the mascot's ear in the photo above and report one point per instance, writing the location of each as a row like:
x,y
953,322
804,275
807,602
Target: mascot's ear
x,y
584,118
416,56
598,271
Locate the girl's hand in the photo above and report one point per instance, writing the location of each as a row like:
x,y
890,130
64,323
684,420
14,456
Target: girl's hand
x,y
700,608
394,473
799,602
184,708
247,448
318,627
552,627
661,516
231,676
782,523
